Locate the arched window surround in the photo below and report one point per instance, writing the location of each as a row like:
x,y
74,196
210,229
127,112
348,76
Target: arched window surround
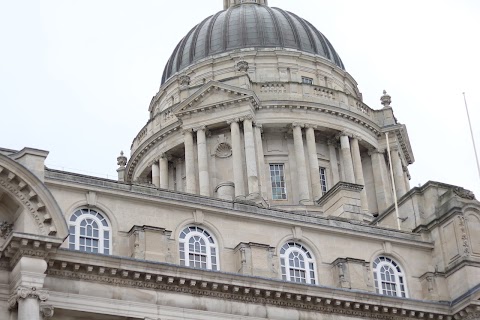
x,y
90,231
297,263
198,248
389,278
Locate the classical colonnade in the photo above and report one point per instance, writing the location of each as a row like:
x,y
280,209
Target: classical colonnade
x,y
350,159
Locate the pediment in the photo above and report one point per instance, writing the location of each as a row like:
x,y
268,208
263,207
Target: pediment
x,y
215,95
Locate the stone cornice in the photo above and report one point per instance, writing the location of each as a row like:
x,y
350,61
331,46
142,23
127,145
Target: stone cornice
x,y
149,144
321,108
19,245
336,188
402,137
175,198
166,277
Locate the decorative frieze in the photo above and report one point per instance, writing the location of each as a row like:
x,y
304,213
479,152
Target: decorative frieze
x,y
280,296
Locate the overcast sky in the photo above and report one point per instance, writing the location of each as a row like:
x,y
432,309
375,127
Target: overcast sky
x,y
76,77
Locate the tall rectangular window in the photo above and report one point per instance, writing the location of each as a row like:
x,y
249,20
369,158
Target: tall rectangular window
x,y
323,180
277,176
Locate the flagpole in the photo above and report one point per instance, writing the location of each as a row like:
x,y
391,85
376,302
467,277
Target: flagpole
x,y
471,133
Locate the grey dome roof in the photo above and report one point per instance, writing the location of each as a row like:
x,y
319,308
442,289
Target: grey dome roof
x,y
245,26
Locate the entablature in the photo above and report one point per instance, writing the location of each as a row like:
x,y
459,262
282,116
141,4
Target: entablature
x,y
134,273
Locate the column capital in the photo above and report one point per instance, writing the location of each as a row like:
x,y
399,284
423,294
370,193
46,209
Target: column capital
x,y
394,148
151,163
166,155
204,128
298,124
259,126
375,150
357,137
22,292
47,311
248,117
187,131
309,125
233,120
345,134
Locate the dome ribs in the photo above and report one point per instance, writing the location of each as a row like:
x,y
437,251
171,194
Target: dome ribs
x,y
260,26
277,27
208,41
171,60
247,26
322,40
307,30
292,26
178,62
226,29
335,55
193,46
284,31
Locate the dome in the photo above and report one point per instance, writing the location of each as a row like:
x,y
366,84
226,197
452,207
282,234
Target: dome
x,y
249,25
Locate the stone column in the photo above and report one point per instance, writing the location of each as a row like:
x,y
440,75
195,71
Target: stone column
x,y
28,300
301,163
260,160
398,173
163,171
179,175
358,168
251,161
380,180
190,162
313,161
333,161
203,174
238,178
347,158
156,174
27,277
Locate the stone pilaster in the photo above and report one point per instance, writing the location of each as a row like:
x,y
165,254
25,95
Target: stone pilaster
x,y
333,161
380,178
190,162
398,173
261,160
203,174
313,161
347,158
156,174
301,163
238,178
251,161
163,171
358,169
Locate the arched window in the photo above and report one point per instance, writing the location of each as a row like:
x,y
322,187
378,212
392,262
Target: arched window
x,y
389,278
198,249
297,263
89,232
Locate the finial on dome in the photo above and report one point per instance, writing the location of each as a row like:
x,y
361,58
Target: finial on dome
x,y
230,3
386,99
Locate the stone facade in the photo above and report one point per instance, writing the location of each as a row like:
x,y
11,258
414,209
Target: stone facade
x,y
262,187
